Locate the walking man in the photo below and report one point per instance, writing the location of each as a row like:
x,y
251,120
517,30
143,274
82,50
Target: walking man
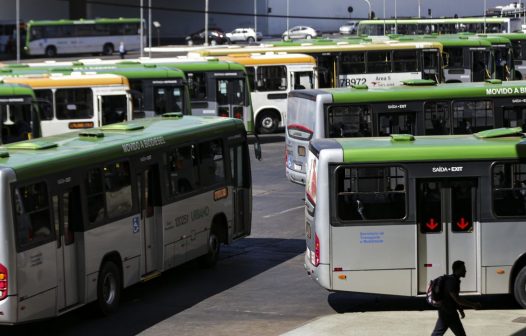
x,y
451,302
122,49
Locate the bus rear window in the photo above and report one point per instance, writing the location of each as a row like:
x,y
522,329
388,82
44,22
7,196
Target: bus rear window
x,y
370,193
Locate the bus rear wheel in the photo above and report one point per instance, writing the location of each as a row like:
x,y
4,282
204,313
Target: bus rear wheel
x,y
519,288
214,246
267,123
108,288
51,52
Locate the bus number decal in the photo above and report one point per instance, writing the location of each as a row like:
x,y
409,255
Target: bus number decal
x,y
352,81
143,144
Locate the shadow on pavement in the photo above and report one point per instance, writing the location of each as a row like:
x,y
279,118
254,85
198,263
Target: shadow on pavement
x,y
146,304
360,302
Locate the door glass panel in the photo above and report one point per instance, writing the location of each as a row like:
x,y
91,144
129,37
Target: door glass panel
x,y
114,109
429,207
462,206
436,116
396,123
514,117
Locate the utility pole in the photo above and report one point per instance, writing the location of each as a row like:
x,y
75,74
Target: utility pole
x,y
206,22
141,43
18,31
149,28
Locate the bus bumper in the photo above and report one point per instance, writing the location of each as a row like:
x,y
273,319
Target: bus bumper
x,y
320,274
8,314
295,176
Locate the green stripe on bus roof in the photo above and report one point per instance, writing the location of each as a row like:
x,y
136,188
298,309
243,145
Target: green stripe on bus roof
x,y
75,151
432,92
429,148
81,21
15,90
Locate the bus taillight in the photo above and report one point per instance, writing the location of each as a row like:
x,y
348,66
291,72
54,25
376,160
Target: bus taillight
x,y
3,282
316,250
223,113
299,132
238,115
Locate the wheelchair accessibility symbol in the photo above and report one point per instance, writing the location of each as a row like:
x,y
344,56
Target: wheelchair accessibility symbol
x,y
136,225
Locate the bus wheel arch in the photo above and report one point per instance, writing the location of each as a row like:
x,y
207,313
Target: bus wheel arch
x,y
267,121
108,49
109,284
518,75
518,281
218,234
51,51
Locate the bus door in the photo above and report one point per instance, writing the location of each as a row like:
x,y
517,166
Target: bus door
x,y
397,118
231,97
431,68
480,64
67,210
446,216
113,108
148,191
240,170
327,75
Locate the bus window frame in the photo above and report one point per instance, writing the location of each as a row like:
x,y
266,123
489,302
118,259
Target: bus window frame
x,y
493,189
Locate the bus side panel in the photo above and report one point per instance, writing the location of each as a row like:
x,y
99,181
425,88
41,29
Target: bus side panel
x,y
388,251
502,255
122,236
186,226
36,277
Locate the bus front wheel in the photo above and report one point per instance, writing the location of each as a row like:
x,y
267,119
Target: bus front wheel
x,y
51,52
519,288
214,245
268,123
108,288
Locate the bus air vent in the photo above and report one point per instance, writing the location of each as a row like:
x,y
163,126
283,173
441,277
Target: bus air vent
x,y
499,132
91,134
77,64
151,66
419,82
4,155
32,145
174,115
360,86
122,127
494,81
129,63
402,137
62,70
18,66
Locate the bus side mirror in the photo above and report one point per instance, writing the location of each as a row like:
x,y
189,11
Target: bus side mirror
x,y
445,57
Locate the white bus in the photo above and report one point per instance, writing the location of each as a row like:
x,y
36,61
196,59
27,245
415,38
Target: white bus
x,y
86,214
272,76
79,101
404,208
58,37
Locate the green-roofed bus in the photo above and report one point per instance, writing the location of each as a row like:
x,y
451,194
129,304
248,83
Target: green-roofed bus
x,y
19,113
154,89
404,208
418,107
59,37
86,214
440,26
358,61
215,87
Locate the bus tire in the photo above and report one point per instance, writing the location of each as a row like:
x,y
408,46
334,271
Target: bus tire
x,y
519,288
51,51
108,49
268,122
214,246
108,288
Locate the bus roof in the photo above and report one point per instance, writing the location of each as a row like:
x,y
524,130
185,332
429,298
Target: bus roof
x,y
269,58
451,40
9,90
130,71
33,158
437,20
82,21
418,89
74,79
333,47
425,148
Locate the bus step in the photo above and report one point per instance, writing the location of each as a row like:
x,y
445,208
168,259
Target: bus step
x,y
150,276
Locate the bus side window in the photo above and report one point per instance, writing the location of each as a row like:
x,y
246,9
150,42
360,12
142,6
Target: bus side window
x,y
33,221
211,163
117,183
182,177
95,196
